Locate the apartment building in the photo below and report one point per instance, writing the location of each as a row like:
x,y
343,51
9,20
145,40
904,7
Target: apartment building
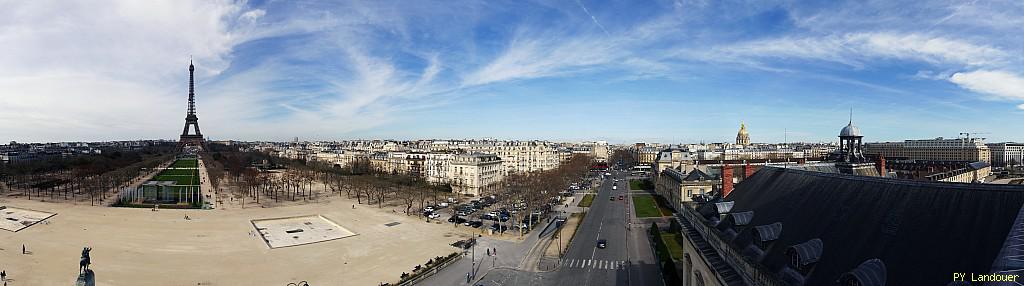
x,y
1006,154
475,174
938,149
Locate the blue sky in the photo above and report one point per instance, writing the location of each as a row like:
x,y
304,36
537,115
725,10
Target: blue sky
x,y
622,71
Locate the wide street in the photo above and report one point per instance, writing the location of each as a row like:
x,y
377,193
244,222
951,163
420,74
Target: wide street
x,y
627,260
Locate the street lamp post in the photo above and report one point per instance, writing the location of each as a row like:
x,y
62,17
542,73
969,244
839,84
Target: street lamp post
x,y
473,266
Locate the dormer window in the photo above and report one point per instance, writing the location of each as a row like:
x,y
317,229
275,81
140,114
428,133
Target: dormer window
x,y
871,272
764,235
802,257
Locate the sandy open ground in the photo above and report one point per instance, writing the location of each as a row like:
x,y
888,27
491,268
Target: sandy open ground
x,y
215,247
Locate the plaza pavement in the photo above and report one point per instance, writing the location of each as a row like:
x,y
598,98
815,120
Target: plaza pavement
x,y
215,247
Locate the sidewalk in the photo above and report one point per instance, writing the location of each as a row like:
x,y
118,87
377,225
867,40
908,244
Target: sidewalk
x,y
209,194
510,255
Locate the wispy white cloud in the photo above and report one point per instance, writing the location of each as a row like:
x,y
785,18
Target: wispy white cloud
x,y
534,57
1002,84
857,49
592,18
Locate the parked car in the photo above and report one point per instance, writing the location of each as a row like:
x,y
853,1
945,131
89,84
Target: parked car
x,y
476,224
428,208
620,197
602,243
498,227
611,198
456,219
616,187
435,216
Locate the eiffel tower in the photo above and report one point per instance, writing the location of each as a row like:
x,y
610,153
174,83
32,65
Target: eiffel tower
x,y
194,140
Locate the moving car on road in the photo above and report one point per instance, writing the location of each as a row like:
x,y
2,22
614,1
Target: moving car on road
x,y
602,243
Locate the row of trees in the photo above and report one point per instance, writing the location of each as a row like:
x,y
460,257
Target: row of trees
x,y
627,157
534,192
92,175
259,177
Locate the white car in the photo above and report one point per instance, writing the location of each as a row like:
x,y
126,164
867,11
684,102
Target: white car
x,y
615,187
435,215
428,209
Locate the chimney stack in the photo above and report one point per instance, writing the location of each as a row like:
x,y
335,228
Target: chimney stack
x,y
747,171
726,180
881,165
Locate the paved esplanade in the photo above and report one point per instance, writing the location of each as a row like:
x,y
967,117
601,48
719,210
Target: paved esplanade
x,y
627,260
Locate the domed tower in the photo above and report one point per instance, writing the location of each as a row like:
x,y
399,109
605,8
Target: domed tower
x,y
850,144
742,137
850,155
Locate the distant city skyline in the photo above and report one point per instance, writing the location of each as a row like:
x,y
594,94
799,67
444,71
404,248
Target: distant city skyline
x,y
662,71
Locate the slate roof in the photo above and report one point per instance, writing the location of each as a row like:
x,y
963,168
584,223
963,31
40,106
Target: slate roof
x,y
978,165
920,231
698,175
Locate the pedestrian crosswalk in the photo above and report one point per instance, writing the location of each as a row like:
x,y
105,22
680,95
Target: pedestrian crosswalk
x,y
593,263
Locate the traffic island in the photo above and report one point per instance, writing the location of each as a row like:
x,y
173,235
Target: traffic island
x,y
650,206
587,200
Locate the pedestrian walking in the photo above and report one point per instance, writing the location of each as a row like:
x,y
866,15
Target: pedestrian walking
x,y
3,276
22,249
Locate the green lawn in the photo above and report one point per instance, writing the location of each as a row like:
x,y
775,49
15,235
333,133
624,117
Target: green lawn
x,y
586,201
640,185
179,172
672,243
185,163
180,176
648,206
